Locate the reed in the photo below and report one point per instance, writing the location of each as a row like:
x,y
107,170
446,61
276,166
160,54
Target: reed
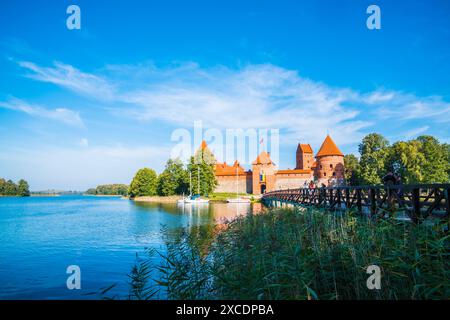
x,y
312,254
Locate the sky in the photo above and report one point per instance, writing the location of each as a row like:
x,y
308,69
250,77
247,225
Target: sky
x,y
85,107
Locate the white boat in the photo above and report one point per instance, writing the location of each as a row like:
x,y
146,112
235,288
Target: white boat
x,y
193,199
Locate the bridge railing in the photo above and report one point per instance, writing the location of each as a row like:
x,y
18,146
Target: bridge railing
x,y
417,201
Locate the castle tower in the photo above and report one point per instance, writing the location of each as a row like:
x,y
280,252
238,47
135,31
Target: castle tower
x,y
330,163
304,157
263,174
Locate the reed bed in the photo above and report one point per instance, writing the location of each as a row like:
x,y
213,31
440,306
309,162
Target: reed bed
x,y
309,254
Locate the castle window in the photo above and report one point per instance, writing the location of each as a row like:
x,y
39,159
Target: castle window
x,y
320,166
331,166
334,174
324,174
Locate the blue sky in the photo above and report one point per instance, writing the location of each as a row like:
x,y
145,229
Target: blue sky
x,y
84,107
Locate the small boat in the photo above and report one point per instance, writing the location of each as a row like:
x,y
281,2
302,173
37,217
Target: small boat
x,y
193,199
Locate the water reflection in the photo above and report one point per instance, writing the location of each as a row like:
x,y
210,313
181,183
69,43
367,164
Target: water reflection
x,y
203,213
201,221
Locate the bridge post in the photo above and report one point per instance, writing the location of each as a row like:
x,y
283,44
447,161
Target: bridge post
x,y
447,203
373,202
415,205
347,198
330,201
338,195
320,196
358,200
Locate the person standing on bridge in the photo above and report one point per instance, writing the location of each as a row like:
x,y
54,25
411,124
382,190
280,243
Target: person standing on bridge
x,y
312,186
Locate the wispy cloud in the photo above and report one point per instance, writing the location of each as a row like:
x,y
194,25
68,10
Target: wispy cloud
x,y
63,115
256,96
413,133
404,106
71,78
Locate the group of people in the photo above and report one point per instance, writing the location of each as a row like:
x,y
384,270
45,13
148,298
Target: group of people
x,y
313,184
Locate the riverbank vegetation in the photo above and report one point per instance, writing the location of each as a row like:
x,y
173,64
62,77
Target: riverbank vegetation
x,y
293,254
224,196
420,160
108,190
9,188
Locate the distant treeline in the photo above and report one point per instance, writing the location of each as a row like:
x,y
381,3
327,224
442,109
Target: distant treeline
x,y
9,188
56,192
109,190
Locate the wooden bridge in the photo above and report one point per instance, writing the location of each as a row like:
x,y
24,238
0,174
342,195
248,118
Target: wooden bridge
x,y
416,201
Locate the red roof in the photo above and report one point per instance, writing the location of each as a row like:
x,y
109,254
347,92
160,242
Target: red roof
x,y
329,148
306,148
222,169
263,158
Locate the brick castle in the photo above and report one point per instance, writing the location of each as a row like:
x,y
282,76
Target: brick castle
x,y
327,168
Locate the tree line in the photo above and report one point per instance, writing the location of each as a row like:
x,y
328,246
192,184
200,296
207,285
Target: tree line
x,y
177,179
9,188
109,190
420,160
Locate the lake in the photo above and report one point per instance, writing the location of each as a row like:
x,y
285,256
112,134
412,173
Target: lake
x,y
41,236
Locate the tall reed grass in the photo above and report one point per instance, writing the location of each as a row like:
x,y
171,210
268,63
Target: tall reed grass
x,y
312,254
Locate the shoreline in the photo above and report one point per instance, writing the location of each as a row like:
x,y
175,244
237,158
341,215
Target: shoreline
x,y
157,199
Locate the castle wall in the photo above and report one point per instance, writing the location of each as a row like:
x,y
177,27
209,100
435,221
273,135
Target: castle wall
x,y
329,167
228,183
292,181
269,171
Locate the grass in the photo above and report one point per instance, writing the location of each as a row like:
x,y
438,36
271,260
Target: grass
x,y
293,254
223,196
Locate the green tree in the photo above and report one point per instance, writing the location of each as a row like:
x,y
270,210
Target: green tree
x,y
2,186
352,169
109,189
436,166
202,165
144,183
406,160
10,188
374,150
23,189
174,179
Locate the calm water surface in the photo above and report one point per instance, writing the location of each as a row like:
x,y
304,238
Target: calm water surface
x,y
41,236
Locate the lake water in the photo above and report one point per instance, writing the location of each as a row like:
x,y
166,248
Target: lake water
x,y
41,236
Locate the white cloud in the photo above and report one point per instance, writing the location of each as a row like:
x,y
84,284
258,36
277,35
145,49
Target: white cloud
x,y
416,132
63,115
402,106
71,78
256,96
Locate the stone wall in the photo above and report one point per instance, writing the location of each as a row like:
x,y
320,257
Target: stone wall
x,y
329,167
292,181
228,183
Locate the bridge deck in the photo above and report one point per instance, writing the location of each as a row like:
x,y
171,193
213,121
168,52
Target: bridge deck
x,y
417,201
